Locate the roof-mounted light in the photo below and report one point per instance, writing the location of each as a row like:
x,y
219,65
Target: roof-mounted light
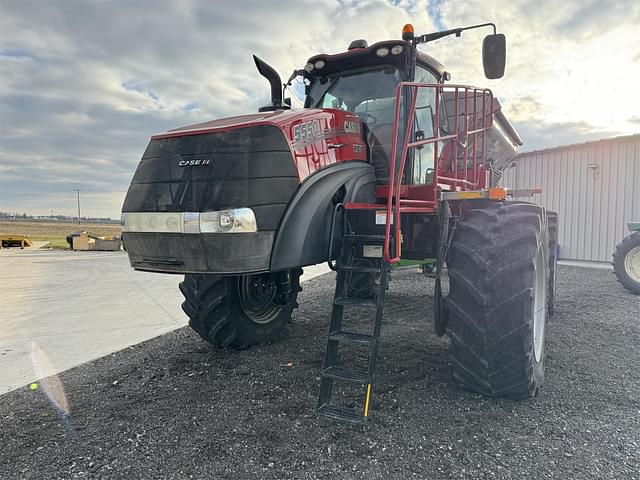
x,y
319,64
360,43
408,32
397,49
308,67
382,52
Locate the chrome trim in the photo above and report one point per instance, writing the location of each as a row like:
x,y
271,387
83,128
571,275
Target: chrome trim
x,y
191,222
244,221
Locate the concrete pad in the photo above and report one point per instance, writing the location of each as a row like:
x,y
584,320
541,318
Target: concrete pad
x,y
73,307
314,271
586,264
37,245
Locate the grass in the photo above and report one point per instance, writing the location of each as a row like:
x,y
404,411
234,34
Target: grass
x,y
54,232
54,242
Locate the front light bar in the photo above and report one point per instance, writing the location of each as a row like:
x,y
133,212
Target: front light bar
x,y
237,220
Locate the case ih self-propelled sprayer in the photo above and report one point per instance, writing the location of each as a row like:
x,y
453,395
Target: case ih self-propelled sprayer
x,y
385,162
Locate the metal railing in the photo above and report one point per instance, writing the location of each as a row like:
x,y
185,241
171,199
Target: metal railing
x,y
464,126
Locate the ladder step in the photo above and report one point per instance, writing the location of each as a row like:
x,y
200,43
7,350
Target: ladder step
x,y
350,337
340,413
339,373
333,370
355,301
364,238
359,269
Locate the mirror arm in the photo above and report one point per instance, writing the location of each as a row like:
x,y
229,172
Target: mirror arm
x,y
490,24
294,74
430,37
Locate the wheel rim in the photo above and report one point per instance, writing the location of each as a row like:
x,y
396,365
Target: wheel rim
x,y
632,264
257,294
539,305
369,282
552,276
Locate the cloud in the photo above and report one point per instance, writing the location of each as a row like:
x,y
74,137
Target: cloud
x,y
569,64
545,134
84,84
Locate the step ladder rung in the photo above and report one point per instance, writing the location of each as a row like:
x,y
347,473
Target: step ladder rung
x,y
355,301
350,337
339,373
356,268
340,413
364,238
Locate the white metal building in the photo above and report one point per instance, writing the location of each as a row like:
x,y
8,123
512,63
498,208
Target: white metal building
x,y
594,187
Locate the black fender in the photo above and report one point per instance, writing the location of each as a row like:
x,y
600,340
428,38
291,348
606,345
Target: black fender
x,y
303,234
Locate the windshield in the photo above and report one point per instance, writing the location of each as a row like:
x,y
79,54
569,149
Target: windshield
x,y
367,93
370,94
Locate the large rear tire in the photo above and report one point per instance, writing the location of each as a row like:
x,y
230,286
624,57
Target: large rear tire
x,y
552,221
240,311
626,262
498,268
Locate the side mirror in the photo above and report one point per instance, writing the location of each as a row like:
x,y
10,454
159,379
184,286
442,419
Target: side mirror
x,y
494,55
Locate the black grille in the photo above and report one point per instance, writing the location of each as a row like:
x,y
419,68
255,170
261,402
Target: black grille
x,y
246,167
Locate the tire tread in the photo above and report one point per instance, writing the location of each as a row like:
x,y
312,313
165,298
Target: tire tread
x,y
492,271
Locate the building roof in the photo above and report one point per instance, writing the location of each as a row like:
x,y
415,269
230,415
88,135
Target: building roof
x,y
622,138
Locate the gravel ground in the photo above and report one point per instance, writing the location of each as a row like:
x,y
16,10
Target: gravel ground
x,y
172,408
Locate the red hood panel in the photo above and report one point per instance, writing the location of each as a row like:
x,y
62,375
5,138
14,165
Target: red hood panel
x,y
278,118
316,137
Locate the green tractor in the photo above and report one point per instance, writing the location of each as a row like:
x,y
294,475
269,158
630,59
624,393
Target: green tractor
x,y
626,259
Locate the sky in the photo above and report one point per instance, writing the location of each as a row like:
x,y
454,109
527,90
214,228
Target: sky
x,y
85,83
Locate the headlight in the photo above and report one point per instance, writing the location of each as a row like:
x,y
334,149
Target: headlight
x,y
237,220
319,64
226,222
397,49
172,223
382,52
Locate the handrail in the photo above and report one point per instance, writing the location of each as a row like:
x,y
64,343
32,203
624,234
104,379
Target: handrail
x,y
395,205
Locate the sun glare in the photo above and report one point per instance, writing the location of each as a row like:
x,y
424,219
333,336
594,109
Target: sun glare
x,y
596,85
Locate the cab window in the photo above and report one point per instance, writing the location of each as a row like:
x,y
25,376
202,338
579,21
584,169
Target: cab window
x,y
370,94
422,165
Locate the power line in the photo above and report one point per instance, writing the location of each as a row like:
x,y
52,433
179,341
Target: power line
x,y
77,190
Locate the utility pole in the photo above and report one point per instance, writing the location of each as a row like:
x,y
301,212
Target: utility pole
x,y
77,190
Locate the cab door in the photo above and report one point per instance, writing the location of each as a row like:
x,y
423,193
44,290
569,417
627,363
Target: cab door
x,y
421,161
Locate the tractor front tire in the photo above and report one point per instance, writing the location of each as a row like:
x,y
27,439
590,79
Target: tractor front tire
x,y
364,285
497,305
240,311
626,263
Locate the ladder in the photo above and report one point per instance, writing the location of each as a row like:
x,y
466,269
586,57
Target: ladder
x,y
353,247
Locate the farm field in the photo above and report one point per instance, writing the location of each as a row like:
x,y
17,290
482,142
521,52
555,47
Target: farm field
x,y
54,232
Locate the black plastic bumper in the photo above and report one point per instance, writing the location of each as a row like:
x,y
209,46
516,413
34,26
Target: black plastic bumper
x,y
220,253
